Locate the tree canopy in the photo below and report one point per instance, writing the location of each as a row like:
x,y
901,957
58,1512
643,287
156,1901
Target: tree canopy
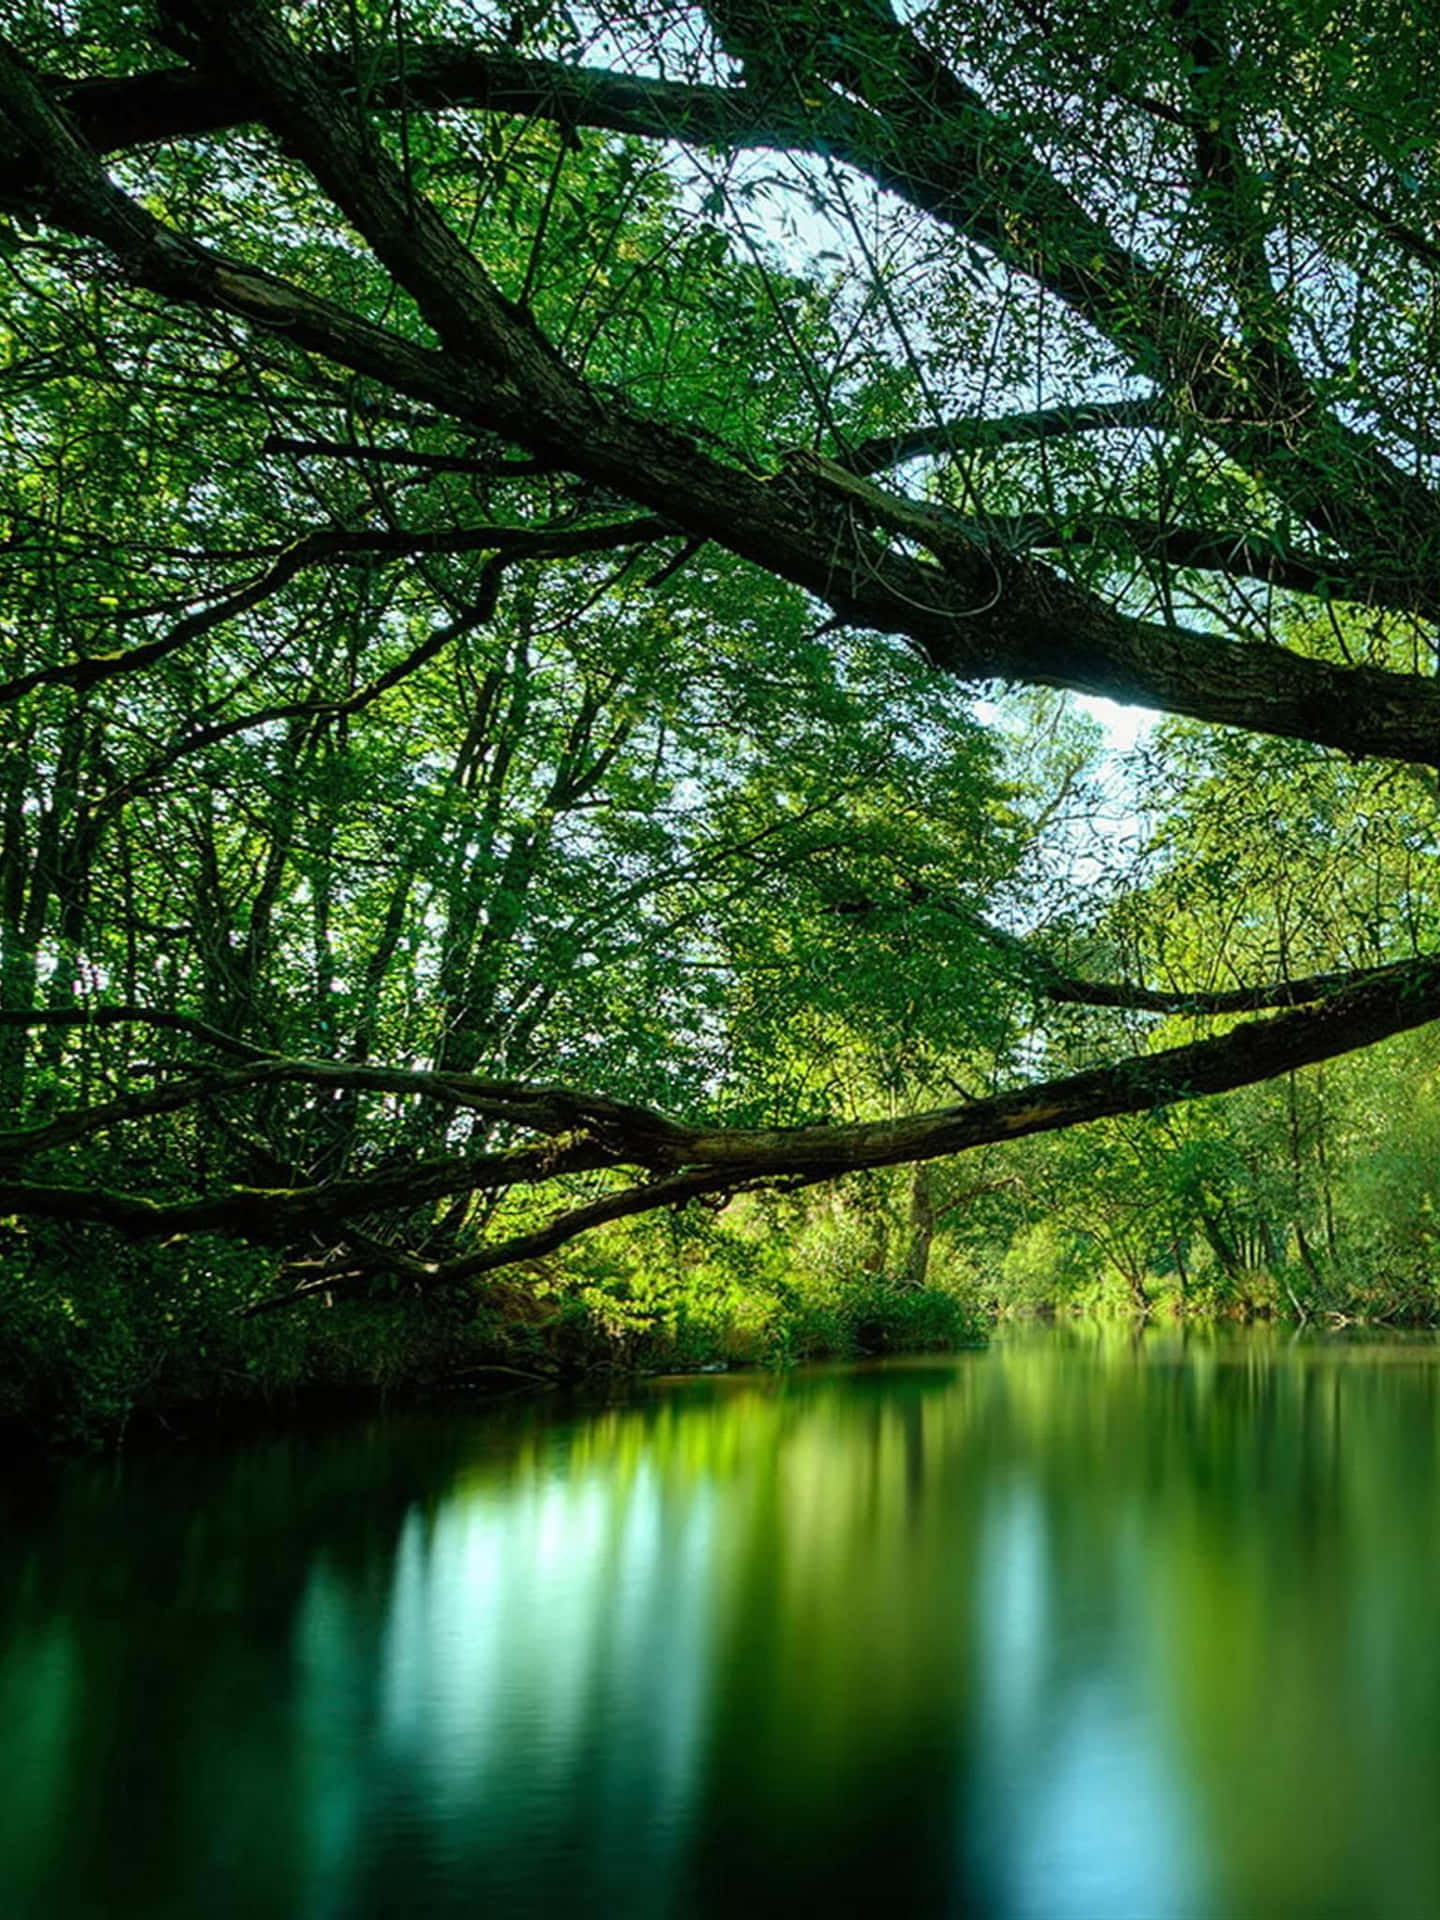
x,y
522,529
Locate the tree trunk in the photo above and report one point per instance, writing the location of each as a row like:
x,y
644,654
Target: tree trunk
x,y
921,1224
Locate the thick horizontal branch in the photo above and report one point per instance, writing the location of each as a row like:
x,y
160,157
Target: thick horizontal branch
x,y
116,115
1392,1001
685,1162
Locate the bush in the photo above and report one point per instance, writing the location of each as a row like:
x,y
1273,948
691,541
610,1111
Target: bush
x,y
95,1330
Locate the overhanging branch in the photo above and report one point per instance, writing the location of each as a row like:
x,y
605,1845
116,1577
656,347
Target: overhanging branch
x,y
589,1133
983,615
894,114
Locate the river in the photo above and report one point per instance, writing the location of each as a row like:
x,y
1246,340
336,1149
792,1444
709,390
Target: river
x,y
1075,1628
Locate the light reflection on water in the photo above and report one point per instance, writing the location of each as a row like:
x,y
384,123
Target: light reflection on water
x,y
1070,1630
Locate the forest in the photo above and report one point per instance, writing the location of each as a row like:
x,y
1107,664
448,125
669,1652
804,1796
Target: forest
x,y
690,684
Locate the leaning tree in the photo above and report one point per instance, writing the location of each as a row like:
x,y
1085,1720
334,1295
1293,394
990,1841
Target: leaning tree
x,y
969,343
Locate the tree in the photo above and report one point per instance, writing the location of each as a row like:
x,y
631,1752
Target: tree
x,y
375,326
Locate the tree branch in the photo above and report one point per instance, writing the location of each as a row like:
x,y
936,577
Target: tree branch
x,y
177,103
1238,555
975,434
894,114
1066,990
1047,978
983,615
337,543
552,1111
675,1190
97,1018
494,469
692,1161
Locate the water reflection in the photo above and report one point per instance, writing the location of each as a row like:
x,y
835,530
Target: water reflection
x,y
1069,1629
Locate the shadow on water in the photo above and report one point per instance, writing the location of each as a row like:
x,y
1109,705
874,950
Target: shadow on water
x,y
1075,1627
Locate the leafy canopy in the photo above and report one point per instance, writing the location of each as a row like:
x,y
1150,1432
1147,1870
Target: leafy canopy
x,y
508,514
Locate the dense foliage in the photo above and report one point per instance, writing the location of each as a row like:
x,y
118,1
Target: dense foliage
x,y
545,554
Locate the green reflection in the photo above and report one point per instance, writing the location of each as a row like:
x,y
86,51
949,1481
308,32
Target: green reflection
x,y
1077,1627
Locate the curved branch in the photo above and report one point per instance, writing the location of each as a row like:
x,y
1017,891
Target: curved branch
x,y
177,103
553,1111
332,543
675,1190
692,1161
1048,979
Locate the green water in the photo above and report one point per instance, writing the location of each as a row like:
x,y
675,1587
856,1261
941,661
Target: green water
x,y
1068,1629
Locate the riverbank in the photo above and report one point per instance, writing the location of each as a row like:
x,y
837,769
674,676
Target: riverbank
x,y
119,1354
112,1342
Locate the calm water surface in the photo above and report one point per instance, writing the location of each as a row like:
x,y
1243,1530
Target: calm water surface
x,y
1070,1629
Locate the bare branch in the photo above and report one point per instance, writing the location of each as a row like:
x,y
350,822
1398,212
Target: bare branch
x,y
675,1190
1238,555
1049,979
553,1111
1066,990
336,543
497,468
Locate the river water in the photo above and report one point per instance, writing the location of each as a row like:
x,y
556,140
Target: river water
x,y
1071,1629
